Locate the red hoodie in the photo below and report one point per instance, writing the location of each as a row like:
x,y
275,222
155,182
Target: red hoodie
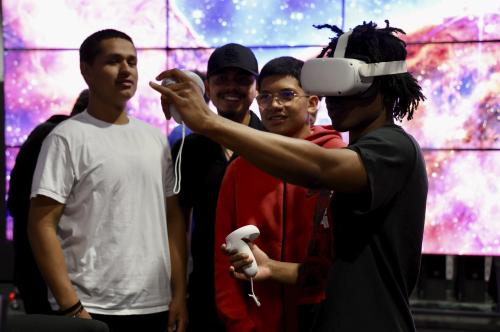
x,y
284,215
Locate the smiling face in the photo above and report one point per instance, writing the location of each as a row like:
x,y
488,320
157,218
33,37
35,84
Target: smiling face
x,y
289,118
232,91
112,76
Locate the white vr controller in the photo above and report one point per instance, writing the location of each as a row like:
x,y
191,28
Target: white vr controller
x,y
235,241
167,81
340,76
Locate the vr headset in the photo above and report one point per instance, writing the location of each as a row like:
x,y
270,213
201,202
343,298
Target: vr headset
x,y
340,76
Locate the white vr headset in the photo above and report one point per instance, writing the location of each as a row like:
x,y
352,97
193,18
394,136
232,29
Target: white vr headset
x,y
340,76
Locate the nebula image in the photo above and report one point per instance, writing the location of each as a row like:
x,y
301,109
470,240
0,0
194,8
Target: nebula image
x,y
453,52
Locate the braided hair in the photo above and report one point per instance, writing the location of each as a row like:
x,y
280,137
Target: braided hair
x,y
370,44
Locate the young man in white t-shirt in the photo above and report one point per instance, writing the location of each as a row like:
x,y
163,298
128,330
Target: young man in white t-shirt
x,y
101,198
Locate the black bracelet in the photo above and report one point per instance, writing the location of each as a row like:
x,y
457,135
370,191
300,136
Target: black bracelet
x,y
78,306
78,312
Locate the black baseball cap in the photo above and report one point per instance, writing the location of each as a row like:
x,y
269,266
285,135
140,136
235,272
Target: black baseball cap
x,y
232,55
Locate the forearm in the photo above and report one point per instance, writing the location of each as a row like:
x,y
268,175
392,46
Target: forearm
x,y
178,266
297,161
284,272
177,239
50,260
294,160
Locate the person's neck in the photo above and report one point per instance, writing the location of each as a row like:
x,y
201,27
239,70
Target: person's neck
x,y
244,118
303,132
382,120
108,113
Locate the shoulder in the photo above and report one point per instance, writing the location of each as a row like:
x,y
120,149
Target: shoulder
x,y
144,126
70,124
390,143
66,130
74,129
388,132
146,132
390,137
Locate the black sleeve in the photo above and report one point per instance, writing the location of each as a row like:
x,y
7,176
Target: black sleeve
x,y
388,155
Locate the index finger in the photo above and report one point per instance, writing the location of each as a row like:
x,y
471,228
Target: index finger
x,y
226,251
165,91
174,73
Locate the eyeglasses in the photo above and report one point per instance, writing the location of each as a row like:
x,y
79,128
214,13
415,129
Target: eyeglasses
x,y
283,97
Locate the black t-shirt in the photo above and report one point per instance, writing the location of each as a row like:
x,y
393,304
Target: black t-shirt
x,y
378,238
202,169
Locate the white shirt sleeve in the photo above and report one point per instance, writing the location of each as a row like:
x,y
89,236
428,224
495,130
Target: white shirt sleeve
x,y
54,173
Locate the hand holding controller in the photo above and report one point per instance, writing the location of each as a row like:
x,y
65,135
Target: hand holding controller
x,y
234,241
167,81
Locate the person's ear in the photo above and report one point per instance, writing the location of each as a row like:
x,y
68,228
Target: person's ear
x,y
207,88
312,108
254,92
84,70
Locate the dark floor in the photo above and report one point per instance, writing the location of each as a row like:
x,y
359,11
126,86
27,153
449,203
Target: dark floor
x,y
432,320
429,316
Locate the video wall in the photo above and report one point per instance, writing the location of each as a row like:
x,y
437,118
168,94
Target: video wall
x,y
454,52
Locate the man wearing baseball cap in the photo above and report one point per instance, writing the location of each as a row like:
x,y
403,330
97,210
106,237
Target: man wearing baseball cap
x,y
231,73
235,56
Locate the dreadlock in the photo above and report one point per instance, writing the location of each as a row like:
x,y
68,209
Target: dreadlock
x,y
401,92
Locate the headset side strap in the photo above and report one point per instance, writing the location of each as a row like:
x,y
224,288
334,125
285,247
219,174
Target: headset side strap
x,y
383,68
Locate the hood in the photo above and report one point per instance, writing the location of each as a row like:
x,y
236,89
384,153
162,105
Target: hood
x,y
326,136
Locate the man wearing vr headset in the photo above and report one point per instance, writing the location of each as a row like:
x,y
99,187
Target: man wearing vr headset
x,y
379,180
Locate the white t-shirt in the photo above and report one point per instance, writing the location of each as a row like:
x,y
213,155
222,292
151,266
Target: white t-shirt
x,y
113,180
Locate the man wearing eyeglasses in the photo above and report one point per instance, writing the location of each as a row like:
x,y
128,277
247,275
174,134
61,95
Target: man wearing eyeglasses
x,y
283,212
231,73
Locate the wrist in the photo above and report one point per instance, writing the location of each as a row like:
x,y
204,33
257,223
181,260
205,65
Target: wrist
x,y
72,311
179,288
179,295
212,124
273,267
283,272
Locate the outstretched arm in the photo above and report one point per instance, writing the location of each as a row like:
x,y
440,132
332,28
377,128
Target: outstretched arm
x,y
297,161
